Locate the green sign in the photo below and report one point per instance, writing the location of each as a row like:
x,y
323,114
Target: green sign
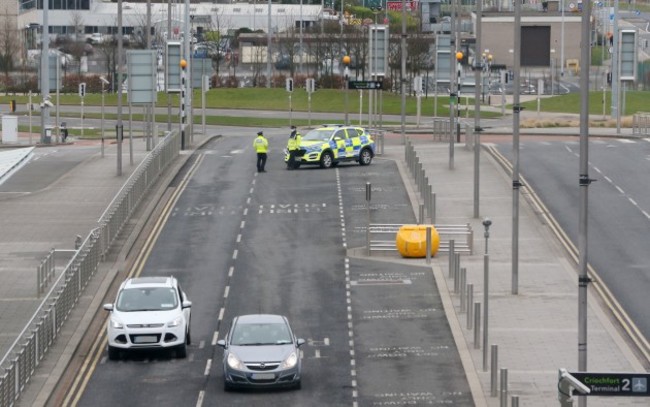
x,y
615,384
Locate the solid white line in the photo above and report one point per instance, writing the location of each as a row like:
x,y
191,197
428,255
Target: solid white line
x,y
208,365
199,401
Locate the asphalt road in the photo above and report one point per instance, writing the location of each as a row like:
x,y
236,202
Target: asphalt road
x,y
277,242
618,208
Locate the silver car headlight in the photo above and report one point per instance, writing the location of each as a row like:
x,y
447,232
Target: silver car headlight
x,y
175,322
116,324
234,362
290,361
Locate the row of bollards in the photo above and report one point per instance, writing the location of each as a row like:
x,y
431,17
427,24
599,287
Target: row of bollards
x,y
428,197
473,313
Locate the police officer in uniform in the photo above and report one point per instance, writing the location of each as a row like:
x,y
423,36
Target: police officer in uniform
x,y
261,145
293,146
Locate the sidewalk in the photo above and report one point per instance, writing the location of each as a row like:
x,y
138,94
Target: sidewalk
x,y
536,331
34,222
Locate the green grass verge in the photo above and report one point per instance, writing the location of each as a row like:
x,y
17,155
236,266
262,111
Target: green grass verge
x,y
635,101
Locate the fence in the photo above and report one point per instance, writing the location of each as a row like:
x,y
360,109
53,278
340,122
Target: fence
x,y
382,237
25,354
641,123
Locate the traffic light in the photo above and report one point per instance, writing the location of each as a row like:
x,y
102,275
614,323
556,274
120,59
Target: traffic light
x,y
289,85
12,106
82,89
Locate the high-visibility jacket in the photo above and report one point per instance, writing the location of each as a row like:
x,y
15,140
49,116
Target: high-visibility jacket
x,y
261,144
294,142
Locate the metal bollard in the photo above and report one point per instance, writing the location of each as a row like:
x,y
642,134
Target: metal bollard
x,y
456,267
514,401
462,288
451,258
457,279
433,208
494,361
428,245
477,325
504,387
470,301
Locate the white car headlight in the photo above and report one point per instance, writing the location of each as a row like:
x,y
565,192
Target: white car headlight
x,y
116,324
234,362
175,322
290,361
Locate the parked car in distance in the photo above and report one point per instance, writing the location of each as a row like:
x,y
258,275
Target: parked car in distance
x,y
261,351
149,313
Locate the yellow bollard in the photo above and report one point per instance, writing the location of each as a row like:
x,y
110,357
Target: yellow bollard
x,y
411,240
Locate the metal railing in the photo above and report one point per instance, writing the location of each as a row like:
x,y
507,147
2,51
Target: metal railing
x,y
641,123
25,354
378,135
383,237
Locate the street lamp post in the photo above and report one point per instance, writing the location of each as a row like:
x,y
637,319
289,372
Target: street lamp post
x,y
486,280
104,82
346,75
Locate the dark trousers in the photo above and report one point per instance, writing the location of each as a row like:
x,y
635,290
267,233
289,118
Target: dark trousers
x,y
261,161
292,159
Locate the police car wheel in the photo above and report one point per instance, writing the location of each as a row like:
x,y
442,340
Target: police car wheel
x,y
365,158
326,160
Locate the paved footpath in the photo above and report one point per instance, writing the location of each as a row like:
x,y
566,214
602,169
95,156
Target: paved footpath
x,y
536,331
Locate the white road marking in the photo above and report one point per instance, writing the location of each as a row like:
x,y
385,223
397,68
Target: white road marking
x,y
199,401
208,365
215,338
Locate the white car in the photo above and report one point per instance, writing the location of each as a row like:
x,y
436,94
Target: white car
x,y
149,313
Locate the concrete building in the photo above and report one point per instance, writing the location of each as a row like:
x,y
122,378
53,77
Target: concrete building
x,y
73,17
546,30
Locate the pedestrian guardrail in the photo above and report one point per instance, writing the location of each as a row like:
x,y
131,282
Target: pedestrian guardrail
x,y
382,237
378,135
641,123
34,341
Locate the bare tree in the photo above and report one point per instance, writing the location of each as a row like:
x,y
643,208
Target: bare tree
x,y
9,44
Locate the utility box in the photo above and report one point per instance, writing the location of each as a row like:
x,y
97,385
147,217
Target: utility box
x,y
9,129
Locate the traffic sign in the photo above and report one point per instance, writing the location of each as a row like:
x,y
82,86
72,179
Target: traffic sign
x,y
365,84
615,384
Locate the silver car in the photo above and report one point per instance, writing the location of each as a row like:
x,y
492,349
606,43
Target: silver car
x,y
261,351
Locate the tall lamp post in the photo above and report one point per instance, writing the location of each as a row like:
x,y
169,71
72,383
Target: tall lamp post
x,y
459,59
